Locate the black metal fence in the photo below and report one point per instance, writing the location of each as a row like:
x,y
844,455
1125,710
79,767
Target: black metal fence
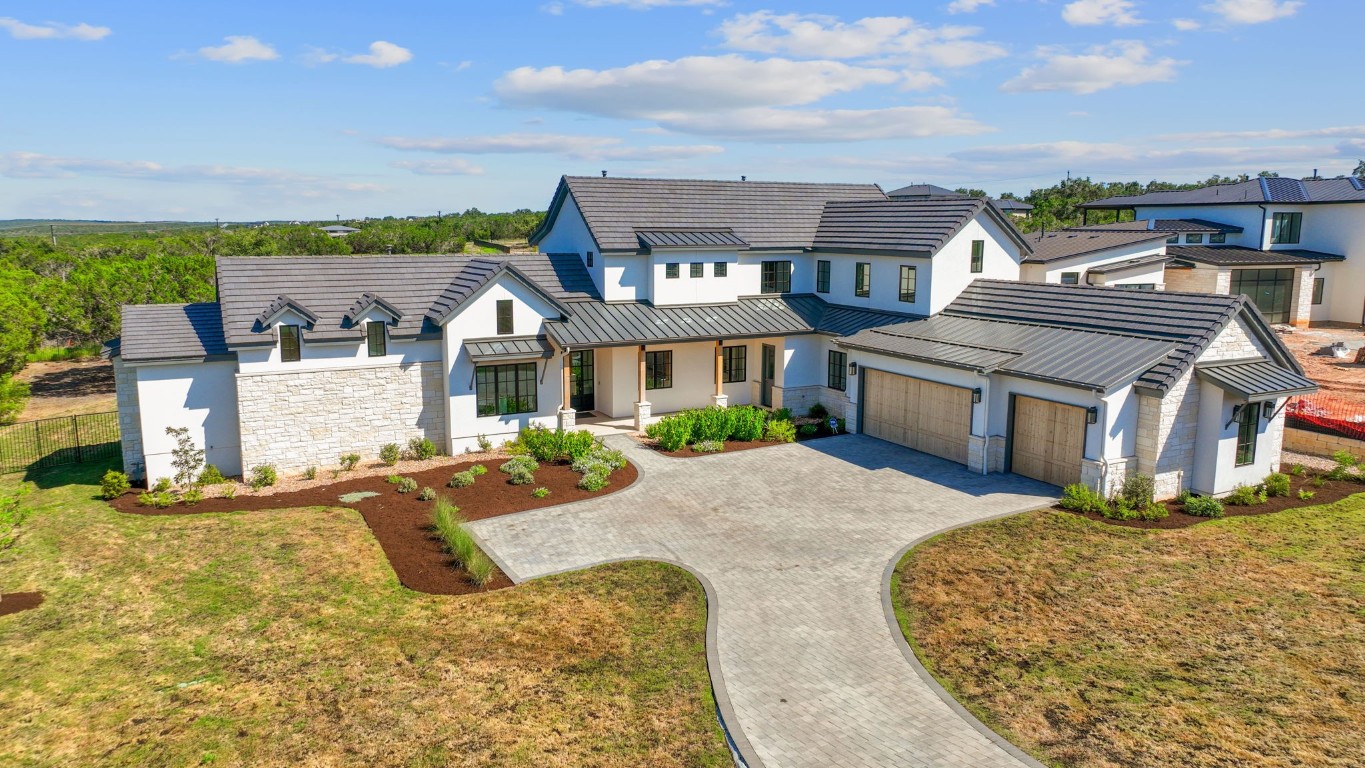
x,y
63,440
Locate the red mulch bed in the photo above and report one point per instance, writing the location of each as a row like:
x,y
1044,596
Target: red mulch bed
x,y
730,446
402,523
1333,490
19,601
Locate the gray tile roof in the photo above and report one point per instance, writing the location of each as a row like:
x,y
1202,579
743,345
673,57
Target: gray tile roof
x,y
1008,205
1066,244
1255,380
1160,225
922,191
689,238
370,299
1260,190
1236,255
170,332
903,226
508,348
281,303
329,285
763,214
477,273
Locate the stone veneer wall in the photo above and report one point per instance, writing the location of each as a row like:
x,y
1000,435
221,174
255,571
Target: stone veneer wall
x,y
1302,303
800,399
1319,444
309,418
1199,280
129,420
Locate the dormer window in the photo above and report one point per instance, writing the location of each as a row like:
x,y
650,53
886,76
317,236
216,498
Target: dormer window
x,y
1218,238
377,342
290,348
978,256
504,317
1193,238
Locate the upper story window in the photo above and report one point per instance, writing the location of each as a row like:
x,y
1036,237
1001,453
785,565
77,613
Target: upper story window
x,y
671,270
696,269
504,317
775,277
978,256
1194,237
1284,228
734,364
907,283
1319,283
1248,422
1071,278
659,369
590,258
1218,238
374,336
822,276
862,279
290,351
1173,239
720,269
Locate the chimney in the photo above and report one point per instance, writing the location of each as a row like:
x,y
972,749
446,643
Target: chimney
x,y
604,174
743,178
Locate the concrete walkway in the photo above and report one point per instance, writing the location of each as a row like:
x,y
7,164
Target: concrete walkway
x,y
794,543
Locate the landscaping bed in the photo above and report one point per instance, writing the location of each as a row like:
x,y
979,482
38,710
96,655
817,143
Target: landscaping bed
x,y
703,431
403,523
730,445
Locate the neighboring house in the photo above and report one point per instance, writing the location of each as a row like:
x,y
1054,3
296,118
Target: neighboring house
x,y
905,317
1297,247
1017,208
338,230
1128,259
1013,207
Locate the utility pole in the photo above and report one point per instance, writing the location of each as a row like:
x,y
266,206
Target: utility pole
x,y
52,229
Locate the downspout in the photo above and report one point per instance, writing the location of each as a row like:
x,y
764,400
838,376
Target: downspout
x,y
1104,459
1260,244
986,427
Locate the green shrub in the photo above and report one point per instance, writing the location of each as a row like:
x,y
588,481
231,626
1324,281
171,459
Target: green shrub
x,y
541,442
393,479
348,461
485,445
192,496
421,449
211,476
1318,481
156,500
461,479
161,485
519,464
609,456
310,474
426,494
390,454
1183,496
114,484
671,432
591,464
818,411
781,414
1154,511
540,493
1296,470
1305,494
1204,506
1079,498
808,430
577,444
479,568
521,477
1120,509
708,446
747,423
1276,484
263,475
407,485
711,424
593,481
478,469
781,431
1345,459
1138,490
13,396
230,492
1243,496
12,515
450,527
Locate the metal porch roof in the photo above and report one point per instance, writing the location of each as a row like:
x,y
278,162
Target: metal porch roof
x,y
1255,380
508,348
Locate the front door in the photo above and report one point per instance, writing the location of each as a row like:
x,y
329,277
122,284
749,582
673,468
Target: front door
x,y
580,381
769,371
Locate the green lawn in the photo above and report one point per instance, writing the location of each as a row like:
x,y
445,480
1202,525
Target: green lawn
x,y
284,638
1239,642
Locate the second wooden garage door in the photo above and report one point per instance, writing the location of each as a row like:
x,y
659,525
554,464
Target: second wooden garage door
x,y
1048,442
923,415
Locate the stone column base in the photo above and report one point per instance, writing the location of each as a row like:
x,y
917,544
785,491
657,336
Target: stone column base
x,y
567,419
720,400
642,413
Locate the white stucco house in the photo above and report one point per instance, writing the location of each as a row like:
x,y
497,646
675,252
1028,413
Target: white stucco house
x,y
908,318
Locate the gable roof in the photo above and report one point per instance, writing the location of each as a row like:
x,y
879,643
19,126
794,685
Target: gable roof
x,y
1347,189
370,299
900,226
477,273
764,214
1066,244
171,332
1160,225
280,304
923,191
1234,255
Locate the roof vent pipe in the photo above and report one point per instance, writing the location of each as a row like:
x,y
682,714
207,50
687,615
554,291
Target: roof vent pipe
x,y
743,178
604,174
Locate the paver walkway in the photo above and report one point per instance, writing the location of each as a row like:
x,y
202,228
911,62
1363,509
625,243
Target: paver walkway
x,y
794,540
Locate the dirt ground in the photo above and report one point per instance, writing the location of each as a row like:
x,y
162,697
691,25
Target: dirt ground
x,y
67,387
1343,378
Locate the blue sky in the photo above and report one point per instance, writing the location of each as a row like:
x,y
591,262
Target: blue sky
x,y
252,110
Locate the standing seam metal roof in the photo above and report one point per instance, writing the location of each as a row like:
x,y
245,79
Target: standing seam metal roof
x,y
695,238
1259,190
1233,255
1255,380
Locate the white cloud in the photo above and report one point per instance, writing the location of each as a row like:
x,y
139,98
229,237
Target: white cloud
x,y
1186,25
575,146
52,30
967,6
383,54
1122,62
1253,11
826,125
451,166
1341,131
32,165
1089,13
644,5
814,35
239,49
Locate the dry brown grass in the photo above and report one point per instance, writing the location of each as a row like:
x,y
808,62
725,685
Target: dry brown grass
x,y
1239,642
284,639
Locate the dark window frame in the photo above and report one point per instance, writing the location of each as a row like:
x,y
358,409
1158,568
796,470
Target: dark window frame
x,y
836,376
1218,238
1173,240
506,323
720,269
590,258
506,389
377,344
1319,287
671,270
775,277
822,269
862,279
909,270
1194,238
291,343
1286,227
734,364
1253,282
659,369
696,269
978,256
1136,286
1070,278
1248,428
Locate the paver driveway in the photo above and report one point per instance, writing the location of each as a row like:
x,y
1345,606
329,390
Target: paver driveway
x,y
795,541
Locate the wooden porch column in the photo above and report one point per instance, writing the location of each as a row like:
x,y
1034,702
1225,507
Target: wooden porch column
x,y
719,366
640,376
568,371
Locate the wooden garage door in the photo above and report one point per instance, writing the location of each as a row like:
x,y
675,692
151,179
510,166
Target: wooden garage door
x,y
923,415
1048,442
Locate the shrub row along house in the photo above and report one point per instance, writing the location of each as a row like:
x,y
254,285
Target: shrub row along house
x,y
907,318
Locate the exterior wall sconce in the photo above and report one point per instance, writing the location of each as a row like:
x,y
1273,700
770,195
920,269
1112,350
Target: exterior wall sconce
x,y
1268,410
852,369
1092,415
976,395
